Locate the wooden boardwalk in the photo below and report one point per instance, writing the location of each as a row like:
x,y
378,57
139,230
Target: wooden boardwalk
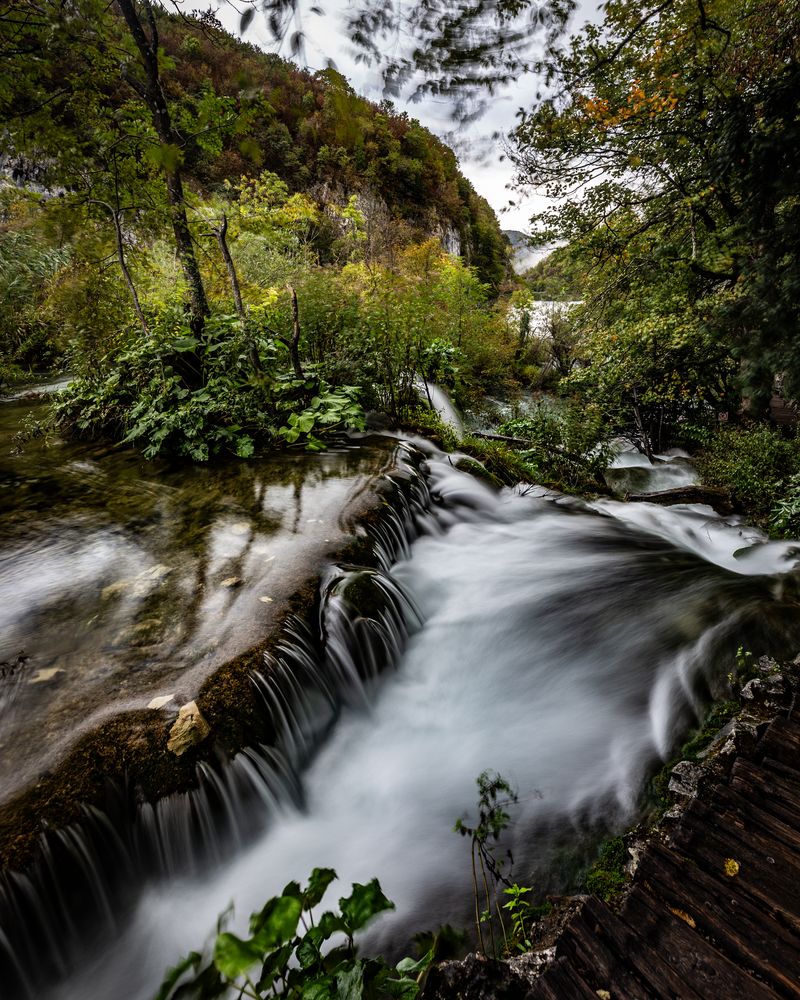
x,y
715,912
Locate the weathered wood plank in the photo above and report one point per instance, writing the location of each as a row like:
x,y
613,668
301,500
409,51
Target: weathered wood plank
x,y
691,958
725,917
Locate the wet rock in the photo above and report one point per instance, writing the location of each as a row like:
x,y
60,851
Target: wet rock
x,y
475,978
142,633
139,585
769,691
161,701
719,500
190,728
684,779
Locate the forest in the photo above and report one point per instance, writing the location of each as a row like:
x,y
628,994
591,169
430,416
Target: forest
x,y
314,508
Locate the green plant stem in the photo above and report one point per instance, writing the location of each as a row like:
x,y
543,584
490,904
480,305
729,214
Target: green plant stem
x,y
477,903
488,903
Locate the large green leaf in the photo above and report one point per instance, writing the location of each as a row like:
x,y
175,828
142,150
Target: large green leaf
x,y
350,982
233,956
365,902
318,883
277,922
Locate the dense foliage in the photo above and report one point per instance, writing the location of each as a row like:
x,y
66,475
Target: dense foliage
x,y
672,134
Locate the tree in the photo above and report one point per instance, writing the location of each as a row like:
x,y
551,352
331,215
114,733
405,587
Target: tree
x,y
672,134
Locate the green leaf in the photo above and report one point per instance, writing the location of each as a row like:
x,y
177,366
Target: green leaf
x,y
245,447
233,956
305,422
275,966
192,960
319,989
185,344
318,883
350,982
365,902
277,922
402,989
412,967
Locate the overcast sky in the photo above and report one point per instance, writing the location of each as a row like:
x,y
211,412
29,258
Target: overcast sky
x,y
480,158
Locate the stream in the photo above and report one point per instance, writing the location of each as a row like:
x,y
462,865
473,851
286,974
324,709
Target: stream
x,y
568,645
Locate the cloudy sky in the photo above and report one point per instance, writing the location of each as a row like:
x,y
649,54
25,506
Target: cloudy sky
x,y
481,158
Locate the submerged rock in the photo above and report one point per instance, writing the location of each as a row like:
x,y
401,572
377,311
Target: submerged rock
x,y
190,728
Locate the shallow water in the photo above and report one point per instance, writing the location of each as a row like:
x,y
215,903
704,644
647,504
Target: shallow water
x,y
122,580
567,645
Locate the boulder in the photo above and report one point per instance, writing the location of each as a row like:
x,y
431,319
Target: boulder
x,y
190,728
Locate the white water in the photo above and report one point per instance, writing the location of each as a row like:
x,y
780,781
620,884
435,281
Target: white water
x,y
440,403
562,646
631,470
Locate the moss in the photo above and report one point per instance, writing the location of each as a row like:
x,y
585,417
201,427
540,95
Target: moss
x,y
474,468
607,877
658,786
500,461
427,423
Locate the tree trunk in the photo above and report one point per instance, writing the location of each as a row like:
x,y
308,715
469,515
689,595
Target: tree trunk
x,y
221,234
294,346
151,91
116,215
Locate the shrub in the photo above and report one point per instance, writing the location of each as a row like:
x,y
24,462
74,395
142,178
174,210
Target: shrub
x,y
753,464
564,444
171,394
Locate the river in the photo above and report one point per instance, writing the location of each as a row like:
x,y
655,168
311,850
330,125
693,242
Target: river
x,y
568,645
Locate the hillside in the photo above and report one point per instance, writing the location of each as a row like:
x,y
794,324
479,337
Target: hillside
x,y
322,138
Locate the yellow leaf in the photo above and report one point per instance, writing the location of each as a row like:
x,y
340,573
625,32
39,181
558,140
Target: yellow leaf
x,y
731,867
684,916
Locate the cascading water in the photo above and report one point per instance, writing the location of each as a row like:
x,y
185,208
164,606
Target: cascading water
x,y
567,645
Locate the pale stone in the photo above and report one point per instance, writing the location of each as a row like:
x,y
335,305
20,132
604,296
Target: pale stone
x,y
48,674
161,701
190,728
114,589
157,572
265,600
232,581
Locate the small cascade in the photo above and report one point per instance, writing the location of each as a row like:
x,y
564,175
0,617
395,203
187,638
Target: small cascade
x,y
439,401
88,874
568,645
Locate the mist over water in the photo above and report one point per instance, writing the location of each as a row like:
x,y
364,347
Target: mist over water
x,y
567,646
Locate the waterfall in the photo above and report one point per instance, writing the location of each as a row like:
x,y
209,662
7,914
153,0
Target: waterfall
x,y
569,645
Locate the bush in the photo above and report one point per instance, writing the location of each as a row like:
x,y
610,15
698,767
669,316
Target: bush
x,y
753,463
172,394
564,444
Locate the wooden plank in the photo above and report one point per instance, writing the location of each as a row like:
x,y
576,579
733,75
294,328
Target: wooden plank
x,y
650,966
747,816
566,983
742,932
691,958
587,946
775,885
776,795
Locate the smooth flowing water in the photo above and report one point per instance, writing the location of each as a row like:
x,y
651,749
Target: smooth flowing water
x,y
123,580
567,645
